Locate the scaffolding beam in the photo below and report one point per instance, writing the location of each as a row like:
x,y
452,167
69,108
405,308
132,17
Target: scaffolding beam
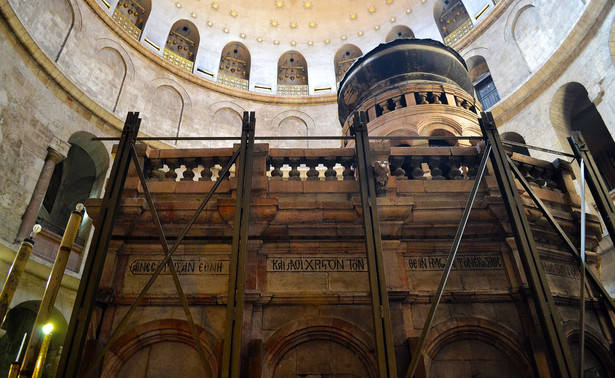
x,y
595,182
561,363
76,334
385,351
231,356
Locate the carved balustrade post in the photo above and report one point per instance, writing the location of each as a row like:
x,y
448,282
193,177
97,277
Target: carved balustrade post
x,y
173,164
206,173
190,164
312,174
294,174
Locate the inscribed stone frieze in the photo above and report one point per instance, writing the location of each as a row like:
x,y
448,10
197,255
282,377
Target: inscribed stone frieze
x,y
197,274
465,262
316,264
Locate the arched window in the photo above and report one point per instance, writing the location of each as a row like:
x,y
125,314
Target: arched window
x,y
292,74
514,137
584,117
344,57
399,32
483,83
234,68
19,321
132,15
78,177
182,45
452,19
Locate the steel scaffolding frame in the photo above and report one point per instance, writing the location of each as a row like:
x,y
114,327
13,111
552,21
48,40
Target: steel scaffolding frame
x,y
558,349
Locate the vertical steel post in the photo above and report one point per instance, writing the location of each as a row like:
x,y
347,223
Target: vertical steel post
x,y
561,363
418,350
231,357
582,271
594,182
76,334
385,351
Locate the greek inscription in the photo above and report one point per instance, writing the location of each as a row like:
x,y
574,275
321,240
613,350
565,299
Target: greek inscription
x,y
316,264
183,267
438,263
562,270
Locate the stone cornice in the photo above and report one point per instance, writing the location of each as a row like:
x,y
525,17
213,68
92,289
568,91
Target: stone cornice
x,y
583,32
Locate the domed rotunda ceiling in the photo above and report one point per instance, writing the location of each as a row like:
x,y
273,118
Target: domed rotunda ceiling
x,y
297,23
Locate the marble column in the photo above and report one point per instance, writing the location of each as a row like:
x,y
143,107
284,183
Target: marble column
x,y
29,217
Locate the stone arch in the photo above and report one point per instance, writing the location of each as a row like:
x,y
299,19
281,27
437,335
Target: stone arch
x,y
463,335
399,31
300,118
165,333
335,331
529,32
483,83
20,320
449,15
344,58
517,138
78,177
164,118
425,128
108,75
226,121
61,19
597,357
571,110
235,62
402,133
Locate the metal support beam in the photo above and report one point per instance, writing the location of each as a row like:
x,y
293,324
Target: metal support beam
x,y
231,357
561,363
165,247
418,350
594,181
592,277
95,261
162,264
380,300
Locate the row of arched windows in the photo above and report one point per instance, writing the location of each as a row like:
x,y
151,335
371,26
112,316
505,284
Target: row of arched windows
x,y
234,70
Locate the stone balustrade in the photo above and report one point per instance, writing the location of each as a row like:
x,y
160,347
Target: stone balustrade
x,y
417,95
339,164
187,165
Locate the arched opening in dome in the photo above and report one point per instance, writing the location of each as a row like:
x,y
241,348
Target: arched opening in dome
x,y
234,69
132,15
441,142
344,57
182,45
292,74
78,177
572,110
514,137
483,83
399,32
451,16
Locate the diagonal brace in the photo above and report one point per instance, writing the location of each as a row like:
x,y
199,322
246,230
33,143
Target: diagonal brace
x,y
165,247
418,350
594,280
115,334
